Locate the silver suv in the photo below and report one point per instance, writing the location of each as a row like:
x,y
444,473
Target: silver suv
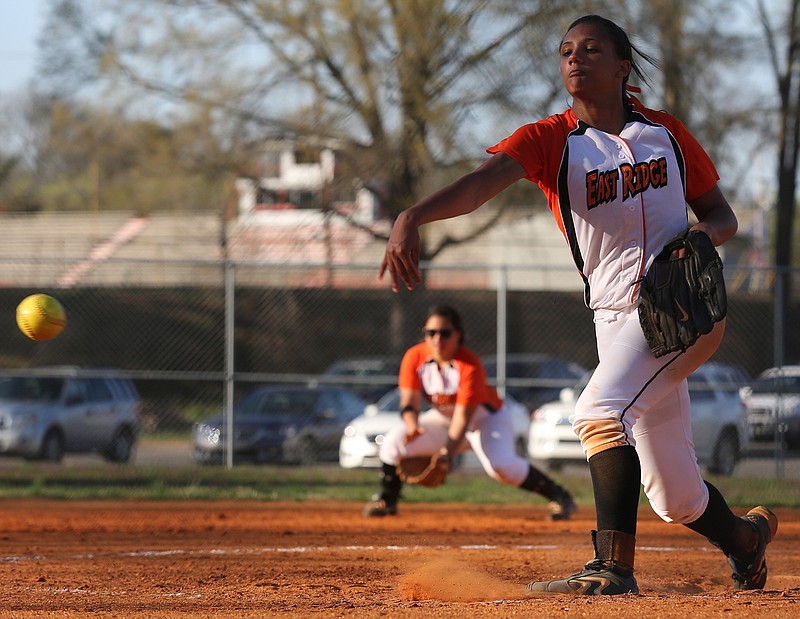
x,y
52,411
719,422
774,397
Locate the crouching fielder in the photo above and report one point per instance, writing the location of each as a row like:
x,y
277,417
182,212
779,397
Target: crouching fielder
x,y
463,412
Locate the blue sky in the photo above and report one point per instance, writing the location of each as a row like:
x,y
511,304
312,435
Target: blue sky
x,y
20,23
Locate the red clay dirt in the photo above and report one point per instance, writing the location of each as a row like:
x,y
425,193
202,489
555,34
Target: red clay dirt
x,y
323,559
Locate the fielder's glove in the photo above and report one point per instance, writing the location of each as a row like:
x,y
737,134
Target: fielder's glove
x,y
681,299
430,471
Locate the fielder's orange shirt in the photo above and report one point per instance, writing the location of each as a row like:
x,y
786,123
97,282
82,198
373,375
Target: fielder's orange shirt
x,y
463,381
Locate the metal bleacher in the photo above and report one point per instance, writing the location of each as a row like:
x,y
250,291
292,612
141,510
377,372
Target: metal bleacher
x,y
67,249
173,249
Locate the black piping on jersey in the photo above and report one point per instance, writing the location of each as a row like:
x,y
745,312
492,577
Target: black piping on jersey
x,y
491,409
563,191
641,391
566,210
639,117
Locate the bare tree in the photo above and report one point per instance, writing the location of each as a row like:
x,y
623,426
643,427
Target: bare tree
x,y
22,135
409,87
701,59
787,76
399,82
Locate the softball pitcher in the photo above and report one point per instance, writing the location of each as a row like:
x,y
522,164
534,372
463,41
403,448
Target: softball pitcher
x,y
617,177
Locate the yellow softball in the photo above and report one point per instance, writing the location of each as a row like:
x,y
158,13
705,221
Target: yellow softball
x,y
41,317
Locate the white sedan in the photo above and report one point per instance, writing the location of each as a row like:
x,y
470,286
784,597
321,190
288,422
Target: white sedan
x,y
363,436
719,422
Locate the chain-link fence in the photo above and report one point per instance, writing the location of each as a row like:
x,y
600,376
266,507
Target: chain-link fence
x,y
196,336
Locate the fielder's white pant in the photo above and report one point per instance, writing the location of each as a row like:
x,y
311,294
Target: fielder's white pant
x,y
489,435
635,399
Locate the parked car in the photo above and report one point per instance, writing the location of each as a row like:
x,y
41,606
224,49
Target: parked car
x,y
719,422
364,435
368,377
535,378
280,424
59,410
773,395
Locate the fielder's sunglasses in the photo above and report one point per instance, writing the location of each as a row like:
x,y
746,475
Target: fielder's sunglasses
x,y
444,333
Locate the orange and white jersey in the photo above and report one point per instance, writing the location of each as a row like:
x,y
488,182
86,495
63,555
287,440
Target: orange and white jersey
x,y
616,198
463,381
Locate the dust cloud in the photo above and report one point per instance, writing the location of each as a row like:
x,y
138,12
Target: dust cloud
x,y
451,580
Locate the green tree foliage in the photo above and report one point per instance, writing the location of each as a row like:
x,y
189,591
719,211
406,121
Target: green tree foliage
x,y
703,49
784,52
400,83
18,142
91,158
414,90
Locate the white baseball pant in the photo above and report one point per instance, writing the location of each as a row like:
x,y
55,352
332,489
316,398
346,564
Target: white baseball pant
x,y
489,435
636,399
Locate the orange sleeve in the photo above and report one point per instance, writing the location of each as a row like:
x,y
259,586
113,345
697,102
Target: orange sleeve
x,y
701,174
408,377
523,147
469,392
537,147
473,388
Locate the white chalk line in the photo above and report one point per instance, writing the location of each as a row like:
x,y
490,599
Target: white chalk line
x,y
112,593
304,549
194,595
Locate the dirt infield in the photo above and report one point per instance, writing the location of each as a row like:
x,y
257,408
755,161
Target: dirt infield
x,y
260,559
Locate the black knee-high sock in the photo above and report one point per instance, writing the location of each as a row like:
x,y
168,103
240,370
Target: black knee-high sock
x,y
538,482
722,528
390,484
616,482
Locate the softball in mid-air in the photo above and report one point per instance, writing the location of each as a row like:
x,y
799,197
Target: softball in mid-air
x,y
41,317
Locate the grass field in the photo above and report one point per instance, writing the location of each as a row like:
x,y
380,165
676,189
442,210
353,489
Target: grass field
x,y
326,482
